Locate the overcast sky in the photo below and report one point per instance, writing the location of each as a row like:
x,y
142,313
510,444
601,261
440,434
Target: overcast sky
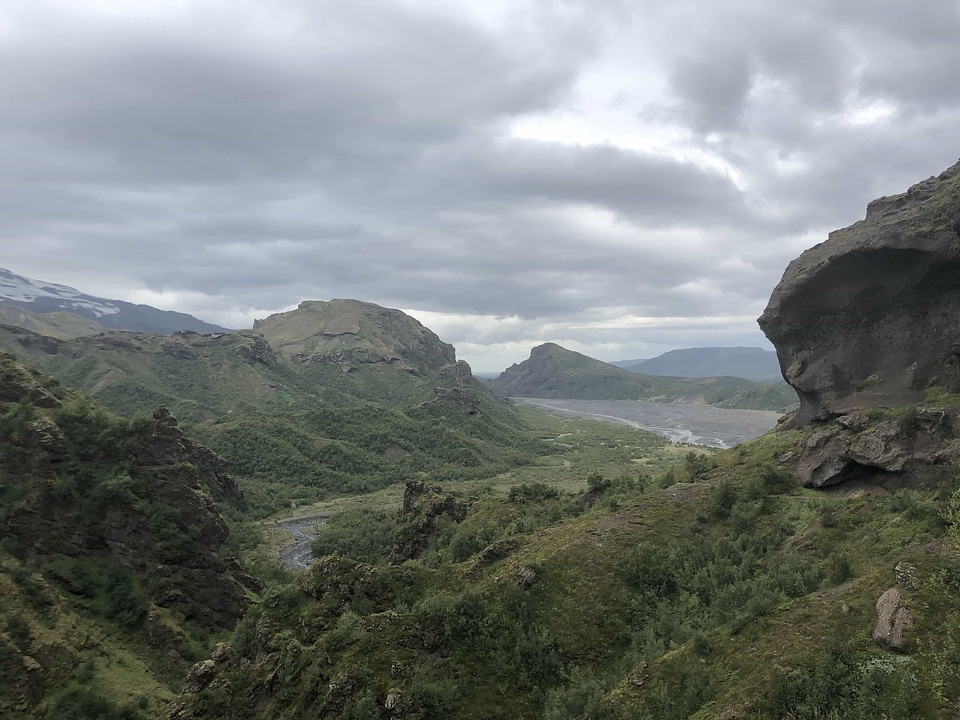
x,y
621,178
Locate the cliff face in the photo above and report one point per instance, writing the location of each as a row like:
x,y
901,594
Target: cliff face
x,y
871,317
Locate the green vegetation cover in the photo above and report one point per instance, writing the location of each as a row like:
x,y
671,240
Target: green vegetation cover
x,y
480,562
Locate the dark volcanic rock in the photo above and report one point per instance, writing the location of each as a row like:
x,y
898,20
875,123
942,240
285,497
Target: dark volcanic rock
x,y
465,401
871,317
853,447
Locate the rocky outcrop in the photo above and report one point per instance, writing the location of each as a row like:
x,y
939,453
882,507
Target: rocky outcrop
x,y
458,372
491,554
163,444
855,445
257,350
424,508
464,401
20,384
136,498
871,317
894,620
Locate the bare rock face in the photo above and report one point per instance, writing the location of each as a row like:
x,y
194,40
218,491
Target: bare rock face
x,y
893,621
871,317
853,445
463,401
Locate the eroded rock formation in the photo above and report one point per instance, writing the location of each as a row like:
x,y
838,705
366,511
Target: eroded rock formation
x,y
857,445
425,508
871,317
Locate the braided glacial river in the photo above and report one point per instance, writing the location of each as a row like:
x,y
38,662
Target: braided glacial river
x,y
695,424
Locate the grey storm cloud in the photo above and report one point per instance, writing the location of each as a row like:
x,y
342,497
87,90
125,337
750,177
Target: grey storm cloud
x,y
233,159
713,89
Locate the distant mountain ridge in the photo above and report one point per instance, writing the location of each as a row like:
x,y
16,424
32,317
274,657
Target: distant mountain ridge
x,y
627,363
553,371
750,363
44,297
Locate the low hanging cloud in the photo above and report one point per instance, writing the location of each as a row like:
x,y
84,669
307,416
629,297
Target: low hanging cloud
x,y
232,159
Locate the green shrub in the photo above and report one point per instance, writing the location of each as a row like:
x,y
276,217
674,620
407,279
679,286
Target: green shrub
x,y
839,684
828,516
532,492
364,535
597,483
722,499
695,466
83,702
838,569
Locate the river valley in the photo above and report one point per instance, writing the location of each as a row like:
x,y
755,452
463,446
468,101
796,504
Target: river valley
x,y
680,422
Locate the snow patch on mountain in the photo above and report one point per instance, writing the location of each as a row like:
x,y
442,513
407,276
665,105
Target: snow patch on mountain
x,y
20,289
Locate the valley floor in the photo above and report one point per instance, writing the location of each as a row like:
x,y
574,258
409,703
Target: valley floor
x,y
679,422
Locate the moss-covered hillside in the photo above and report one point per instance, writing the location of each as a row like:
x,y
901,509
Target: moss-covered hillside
x,y
112,571
378,398
733,593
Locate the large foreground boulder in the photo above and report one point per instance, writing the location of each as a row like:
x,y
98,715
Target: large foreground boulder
x,y
871,317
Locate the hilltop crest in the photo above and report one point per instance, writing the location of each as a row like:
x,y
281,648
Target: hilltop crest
x,y
352,333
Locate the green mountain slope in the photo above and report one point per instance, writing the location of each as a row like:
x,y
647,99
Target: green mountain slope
x,y
111,565
376,399
555,372
732,594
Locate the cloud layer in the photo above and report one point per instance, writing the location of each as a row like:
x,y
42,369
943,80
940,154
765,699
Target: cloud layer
x,y
621,178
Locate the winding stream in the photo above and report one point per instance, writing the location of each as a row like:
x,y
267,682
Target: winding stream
x,y
299,555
